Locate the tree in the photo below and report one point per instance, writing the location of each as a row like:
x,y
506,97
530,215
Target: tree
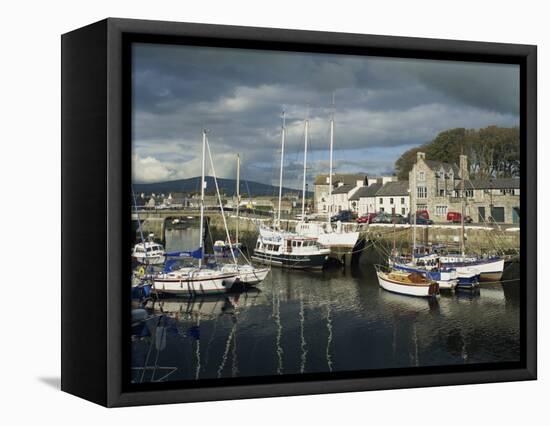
x,y
492,151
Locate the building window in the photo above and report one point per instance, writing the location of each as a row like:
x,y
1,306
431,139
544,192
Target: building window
x,y
381,209
403,211
441,210
422,192
420,207
380,201
391,200
421,176
402,201
508,192
441,192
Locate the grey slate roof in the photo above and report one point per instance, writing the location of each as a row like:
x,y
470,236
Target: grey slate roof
x,y
347,178
366,191
399,188
503,183
344,189
437,165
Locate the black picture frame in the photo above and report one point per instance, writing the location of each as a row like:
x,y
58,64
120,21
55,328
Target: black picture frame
x,y
95,181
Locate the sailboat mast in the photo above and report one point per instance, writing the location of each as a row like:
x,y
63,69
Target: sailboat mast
x,y
413,209
238,197
281,170
330,162
203,184
305,168
462,211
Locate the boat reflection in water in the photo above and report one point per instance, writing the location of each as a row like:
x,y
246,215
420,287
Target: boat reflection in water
x,y
303,322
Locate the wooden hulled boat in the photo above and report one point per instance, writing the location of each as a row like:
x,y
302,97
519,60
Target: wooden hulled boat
x,y
409,283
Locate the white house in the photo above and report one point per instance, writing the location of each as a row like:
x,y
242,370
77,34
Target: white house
x,y
321,190
363,201
394,195
341,197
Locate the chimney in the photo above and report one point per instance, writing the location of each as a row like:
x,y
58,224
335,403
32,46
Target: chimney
x,y
420,156
464,174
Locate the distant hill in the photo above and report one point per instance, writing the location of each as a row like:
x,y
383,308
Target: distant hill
x,y
227,187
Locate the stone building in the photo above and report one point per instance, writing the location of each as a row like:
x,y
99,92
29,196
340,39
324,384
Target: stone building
x,y
321,201
436,187
394,195
491,200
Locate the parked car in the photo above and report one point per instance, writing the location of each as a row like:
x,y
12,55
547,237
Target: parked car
x,y
456,217
382,217
420,220
343,216
423,213
367,218
399,219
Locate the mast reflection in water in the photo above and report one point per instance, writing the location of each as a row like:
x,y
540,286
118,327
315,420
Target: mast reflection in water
x,y
308,322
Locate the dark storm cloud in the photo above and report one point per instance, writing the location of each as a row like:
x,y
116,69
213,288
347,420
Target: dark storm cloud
x,y
382,105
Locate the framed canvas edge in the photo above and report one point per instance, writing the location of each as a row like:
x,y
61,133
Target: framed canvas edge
x,y
116,397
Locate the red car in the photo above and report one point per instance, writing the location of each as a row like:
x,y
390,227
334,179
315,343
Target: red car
x,y
366,218
456,217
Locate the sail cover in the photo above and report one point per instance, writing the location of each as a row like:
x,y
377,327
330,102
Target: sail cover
x,y
196,254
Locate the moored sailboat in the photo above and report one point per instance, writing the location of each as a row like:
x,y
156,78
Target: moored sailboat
x,y
407,283
191,281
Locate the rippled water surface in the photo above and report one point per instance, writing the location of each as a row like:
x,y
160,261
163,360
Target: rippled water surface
x,y
337,320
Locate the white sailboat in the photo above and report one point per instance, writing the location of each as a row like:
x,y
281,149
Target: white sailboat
x,y
244,275
191,281
324,232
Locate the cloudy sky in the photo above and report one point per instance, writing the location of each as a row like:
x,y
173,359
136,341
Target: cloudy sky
x,y
384,106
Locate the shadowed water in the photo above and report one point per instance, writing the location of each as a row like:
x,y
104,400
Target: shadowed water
x,y
337,320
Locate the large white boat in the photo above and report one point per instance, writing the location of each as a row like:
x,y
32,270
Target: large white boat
x,y
288,250
149,253
410,284
324,232
326,235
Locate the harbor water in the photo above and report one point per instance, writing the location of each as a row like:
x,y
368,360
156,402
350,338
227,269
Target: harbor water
x,y
308,322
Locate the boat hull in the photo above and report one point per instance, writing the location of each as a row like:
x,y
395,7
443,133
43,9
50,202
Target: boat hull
x,y
488,270
154,260
193,287
426,290
247,276
315,261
